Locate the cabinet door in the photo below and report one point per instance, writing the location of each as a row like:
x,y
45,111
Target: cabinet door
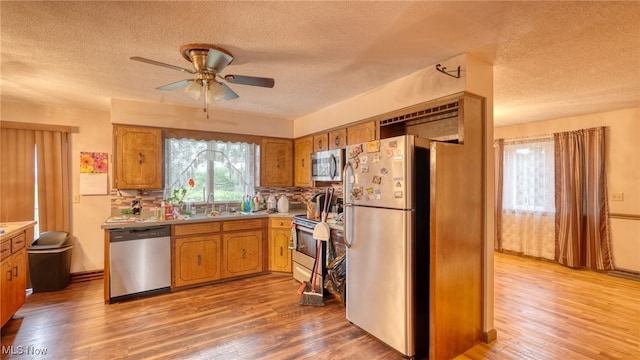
x,y
138,153
338,139
320,142
361,133
279,237
275,163
197,259
302,167
6,304
19,279
242,253
13,283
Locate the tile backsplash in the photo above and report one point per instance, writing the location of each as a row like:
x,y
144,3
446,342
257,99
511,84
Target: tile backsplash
x,y
151,199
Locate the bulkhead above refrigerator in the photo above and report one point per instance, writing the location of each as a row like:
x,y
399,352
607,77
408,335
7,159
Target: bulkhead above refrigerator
x,y
327,165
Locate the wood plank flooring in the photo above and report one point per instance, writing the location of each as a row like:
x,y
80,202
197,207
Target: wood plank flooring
x,y
543,311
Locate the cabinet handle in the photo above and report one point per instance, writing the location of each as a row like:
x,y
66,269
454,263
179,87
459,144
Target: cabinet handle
x,y
337,140
320,144
244,254
15,268
281,251
10,275
199,260
281,223
278,163
140,158
302,161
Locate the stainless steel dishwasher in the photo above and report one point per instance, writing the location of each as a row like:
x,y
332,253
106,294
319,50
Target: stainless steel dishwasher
x,y
139,262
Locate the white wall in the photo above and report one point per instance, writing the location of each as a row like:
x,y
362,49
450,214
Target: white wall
x,y
423,85
182,117
93,133
622,168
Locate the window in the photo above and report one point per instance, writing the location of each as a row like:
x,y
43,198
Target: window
x,y
529,176
228,169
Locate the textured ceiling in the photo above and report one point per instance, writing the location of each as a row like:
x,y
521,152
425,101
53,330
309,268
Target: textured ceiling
x,y
551,59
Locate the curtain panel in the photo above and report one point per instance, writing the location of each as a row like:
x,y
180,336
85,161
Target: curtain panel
x,y
582,212
527,203
499,161
29,154
17,162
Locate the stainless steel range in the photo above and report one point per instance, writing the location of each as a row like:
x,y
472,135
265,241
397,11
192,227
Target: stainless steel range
x,y
305,251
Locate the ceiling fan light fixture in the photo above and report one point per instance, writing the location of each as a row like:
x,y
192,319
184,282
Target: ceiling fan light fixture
x,y
194,90
216,92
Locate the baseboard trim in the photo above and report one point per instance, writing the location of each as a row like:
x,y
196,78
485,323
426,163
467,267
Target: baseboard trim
x,y
625,274
489,336
87,276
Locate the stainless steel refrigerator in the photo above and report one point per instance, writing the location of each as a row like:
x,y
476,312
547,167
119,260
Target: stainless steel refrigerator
x,y
386,191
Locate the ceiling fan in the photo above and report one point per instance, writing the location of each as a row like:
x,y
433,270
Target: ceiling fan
x,y
208,62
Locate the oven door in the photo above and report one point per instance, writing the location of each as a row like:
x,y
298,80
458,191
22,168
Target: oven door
x,y
306,244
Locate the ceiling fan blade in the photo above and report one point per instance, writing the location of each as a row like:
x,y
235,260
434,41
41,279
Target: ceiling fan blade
x,y
228,93
158,63
250,80
175,85
217,60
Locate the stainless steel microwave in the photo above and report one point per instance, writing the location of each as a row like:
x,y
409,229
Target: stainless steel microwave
x,y
327,165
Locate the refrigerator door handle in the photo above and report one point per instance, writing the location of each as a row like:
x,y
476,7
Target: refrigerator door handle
x,y
348,208
346,192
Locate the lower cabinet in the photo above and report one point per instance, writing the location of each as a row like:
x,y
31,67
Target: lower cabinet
x,y
279,237
209,251
13,275
197,259
242,253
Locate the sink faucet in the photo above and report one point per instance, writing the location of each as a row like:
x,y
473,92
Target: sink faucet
x,y
213,204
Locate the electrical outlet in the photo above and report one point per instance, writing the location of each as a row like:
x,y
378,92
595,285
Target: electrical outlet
x,y
617,197
76,198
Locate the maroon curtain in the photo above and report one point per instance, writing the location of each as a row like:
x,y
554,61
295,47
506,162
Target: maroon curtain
x,y
582,212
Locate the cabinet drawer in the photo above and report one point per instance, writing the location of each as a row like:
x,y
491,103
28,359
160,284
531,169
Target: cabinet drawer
x,y
282,223
5,249
18,242
197,228
242,225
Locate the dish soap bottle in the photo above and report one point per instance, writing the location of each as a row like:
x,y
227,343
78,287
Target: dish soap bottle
x,y
271,202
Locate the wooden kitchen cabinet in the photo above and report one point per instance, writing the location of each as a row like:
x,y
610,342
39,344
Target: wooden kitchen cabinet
x,y
302,161
361,133
276,162
138,158
279,237
242,253
13,267
338,139
320,142
197,253
243,247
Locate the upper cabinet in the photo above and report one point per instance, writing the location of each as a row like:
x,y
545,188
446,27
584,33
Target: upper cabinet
x,y
302,161
320,142
138,158
275,162
338,139
361,133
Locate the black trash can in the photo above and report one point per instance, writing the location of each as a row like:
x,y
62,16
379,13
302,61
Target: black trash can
x,y
50,261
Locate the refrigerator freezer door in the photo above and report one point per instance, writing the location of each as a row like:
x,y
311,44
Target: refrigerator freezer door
x,y
379,277
381,174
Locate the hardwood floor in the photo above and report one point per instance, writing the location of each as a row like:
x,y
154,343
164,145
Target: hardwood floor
x,y
543,311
